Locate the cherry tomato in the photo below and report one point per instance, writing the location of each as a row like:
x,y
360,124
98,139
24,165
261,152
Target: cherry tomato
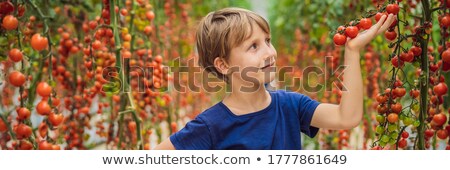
x,y
339,39
16,78
55,119
132,126
446,56
43,108
396,62
3,127
392,9
23,113
440,89
390,35
44,145
38,42
15,55
43,89
440,119
365,23
392,118
10,22
351,31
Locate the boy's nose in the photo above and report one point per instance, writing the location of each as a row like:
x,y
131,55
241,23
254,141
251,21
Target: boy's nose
x,y
271,54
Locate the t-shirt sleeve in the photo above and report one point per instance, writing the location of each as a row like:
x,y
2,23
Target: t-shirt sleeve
x,y
194,136
306,109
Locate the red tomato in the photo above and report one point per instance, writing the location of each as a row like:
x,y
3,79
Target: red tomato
x,y
442,134
416,50
158,59
351,31
446,56
381,98
429,133
440,119
42,129
390,35
365,23
408,57
414,93
402,143
3,127
396,62
150,15
396,108
15,55
44,145
405,134
378,16
96,45
16,78
132,126
25,145
440,89
55,119
399,92
38,42
445,21
10,22
23,131
43,108
124,11
392,9
392,118
43,89
6,7
23,113
339,39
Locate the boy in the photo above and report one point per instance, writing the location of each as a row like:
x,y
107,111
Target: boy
x,y
234,44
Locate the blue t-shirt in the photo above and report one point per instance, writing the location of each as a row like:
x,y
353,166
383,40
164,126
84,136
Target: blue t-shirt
x,y
277,126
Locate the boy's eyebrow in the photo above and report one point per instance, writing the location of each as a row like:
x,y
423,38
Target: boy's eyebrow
x,y
251,40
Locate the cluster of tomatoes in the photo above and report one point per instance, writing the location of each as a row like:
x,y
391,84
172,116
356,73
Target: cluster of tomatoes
x,y
353,28
395,117
64,82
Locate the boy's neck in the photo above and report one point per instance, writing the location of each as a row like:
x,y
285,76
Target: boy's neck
x,y
241,103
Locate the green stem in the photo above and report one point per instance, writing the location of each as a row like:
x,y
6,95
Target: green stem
x,y
138,130
424,77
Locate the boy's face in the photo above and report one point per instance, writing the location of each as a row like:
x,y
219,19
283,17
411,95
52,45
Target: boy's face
x,y
254,59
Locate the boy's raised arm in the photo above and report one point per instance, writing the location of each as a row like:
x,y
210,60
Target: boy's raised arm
x,y
349,112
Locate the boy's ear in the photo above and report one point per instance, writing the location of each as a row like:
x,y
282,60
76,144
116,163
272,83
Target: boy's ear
x,y
221,65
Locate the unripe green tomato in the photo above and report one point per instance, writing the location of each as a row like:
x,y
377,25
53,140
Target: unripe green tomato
x,y
415,108
392,127
394,134
408,121
392,141
380,119
416,123
379,130
385,138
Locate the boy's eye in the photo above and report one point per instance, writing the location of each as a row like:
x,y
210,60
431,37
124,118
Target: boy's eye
x,y
268,40
253,46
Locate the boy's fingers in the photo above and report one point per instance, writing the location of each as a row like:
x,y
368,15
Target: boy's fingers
x,y
388,22
380,22
375,28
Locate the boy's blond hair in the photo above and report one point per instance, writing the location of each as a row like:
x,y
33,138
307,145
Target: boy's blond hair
x,y
222,30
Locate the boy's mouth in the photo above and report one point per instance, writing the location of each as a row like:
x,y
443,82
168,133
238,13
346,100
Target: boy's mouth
x,y
269,65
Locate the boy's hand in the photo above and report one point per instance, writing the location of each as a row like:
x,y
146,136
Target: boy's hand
x,y
365,37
